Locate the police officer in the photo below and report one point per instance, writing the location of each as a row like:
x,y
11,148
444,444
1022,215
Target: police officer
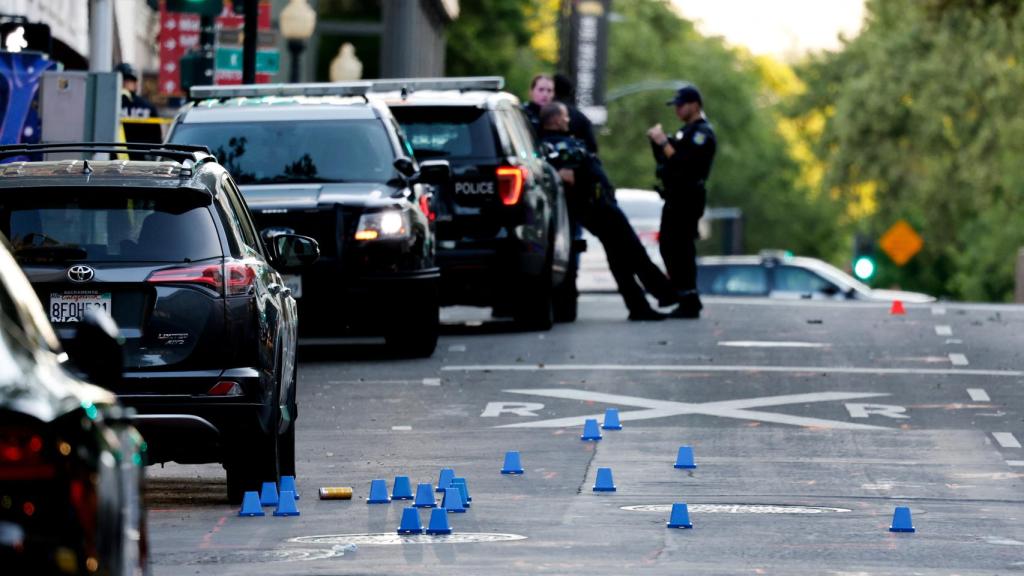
x,y
542,91
684,163
133,105
579,125
591,202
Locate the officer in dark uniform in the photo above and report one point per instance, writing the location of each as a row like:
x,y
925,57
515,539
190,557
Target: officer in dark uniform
x,y
542,91
591,200
579,125
133,105
684,163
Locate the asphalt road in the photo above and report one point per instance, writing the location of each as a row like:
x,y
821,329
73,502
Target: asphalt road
x,y
809,424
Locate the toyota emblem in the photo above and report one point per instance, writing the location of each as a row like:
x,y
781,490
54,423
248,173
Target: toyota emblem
x,y
80,273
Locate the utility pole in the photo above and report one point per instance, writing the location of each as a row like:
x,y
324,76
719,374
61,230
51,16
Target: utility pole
x,y
101,35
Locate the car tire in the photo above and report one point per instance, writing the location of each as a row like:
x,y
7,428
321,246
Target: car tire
x,y
255,464
253,461
537,311
566,296
415,333
286,442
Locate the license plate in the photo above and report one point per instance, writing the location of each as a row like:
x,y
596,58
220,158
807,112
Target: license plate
x,y
294,282
71,306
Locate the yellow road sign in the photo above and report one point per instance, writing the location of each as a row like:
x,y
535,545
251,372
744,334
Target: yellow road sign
x,y
900,243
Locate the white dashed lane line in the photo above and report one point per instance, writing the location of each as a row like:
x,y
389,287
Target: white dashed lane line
x,y
401,428
1015,462
943,330
457,348
938,311
978,395
958,360
1006,439
431,381
770,344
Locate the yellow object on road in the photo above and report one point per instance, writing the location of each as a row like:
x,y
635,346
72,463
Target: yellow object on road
x,y
336,493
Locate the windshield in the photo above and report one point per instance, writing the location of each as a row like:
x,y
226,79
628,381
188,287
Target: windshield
x,y
447,131
297,152
96,225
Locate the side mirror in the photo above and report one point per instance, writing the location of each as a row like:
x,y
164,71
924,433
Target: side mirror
x,y
291,251
96,349
405,166
436,172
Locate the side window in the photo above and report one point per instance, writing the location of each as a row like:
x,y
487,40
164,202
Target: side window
x,y
522,126
240,213
231,225
794,279
403,142
501,125
740,281
521,145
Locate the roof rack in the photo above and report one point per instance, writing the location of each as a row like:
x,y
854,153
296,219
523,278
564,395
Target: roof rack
x,y
463,84
178,152
260,90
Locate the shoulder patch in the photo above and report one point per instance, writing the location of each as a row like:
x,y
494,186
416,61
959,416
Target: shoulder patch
x,y
699,138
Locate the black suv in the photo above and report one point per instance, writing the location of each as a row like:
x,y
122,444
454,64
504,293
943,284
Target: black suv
x,y
502,222
322,160
71,464
167,248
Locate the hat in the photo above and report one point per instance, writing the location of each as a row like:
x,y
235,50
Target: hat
x,y
126,70
688,93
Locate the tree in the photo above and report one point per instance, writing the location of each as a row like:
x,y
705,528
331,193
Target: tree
x,y
924,123
755,168
495,37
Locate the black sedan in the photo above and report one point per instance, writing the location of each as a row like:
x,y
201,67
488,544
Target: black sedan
x,y
71,464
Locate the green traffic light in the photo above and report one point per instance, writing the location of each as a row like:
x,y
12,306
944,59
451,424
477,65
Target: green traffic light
x,y
864,267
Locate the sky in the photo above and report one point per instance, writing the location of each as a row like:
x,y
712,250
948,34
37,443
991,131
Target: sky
x,y
781,28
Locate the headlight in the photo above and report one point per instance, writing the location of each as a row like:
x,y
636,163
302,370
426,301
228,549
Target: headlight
x,y
383,224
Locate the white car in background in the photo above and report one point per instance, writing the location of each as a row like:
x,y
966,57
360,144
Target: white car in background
x,y
780,275
643,208
771,274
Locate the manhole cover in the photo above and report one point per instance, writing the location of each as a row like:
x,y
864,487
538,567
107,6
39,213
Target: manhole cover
x,y
248,556
389,539
738,509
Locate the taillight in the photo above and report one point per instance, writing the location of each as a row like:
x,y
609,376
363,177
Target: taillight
x,y
425,207
510,184
240,277
206,275
649,237
225,388
22,457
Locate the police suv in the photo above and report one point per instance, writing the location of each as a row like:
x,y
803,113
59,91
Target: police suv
x,y
502,222
324,161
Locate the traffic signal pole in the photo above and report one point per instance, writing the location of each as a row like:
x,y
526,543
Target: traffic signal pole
x,y
251,36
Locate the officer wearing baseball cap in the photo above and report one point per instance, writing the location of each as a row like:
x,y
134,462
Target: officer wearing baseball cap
x,y
684,164
132,105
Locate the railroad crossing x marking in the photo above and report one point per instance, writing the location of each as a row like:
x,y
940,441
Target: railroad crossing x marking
x,y
740,409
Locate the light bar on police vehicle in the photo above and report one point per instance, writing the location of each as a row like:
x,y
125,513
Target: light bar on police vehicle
x,y
261,90
464,83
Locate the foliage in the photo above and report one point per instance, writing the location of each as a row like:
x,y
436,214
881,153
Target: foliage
x,y
758,167
502,37
923,122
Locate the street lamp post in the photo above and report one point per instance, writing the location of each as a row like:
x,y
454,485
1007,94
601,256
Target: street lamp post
x,y
298,20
